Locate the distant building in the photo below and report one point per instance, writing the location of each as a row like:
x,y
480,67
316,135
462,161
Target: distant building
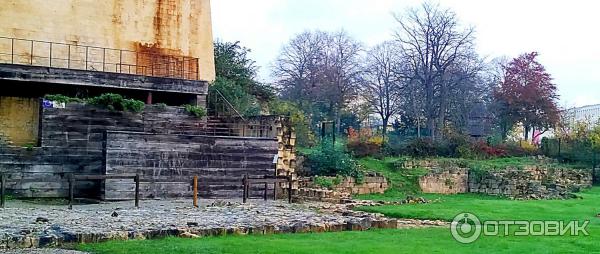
x,y
589,113
479,124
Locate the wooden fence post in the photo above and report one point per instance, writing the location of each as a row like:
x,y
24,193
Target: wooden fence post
x,y
195,191
266,189
2,188
245,185
71,190
137,190
290,189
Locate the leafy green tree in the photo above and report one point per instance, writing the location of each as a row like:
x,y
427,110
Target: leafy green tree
x,y
236,80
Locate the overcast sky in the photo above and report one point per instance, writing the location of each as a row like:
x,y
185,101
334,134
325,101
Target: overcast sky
x,y
565,33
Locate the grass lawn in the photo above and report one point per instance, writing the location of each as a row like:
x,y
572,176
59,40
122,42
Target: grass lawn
x,y
426,240
430,240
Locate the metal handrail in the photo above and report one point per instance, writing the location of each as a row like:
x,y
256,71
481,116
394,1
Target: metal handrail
x,y
96,58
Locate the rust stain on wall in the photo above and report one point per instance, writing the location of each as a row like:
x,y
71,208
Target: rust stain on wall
x,y
156,61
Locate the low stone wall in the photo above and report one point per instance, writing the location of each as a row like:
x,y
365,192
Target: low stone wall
x,y
348,186
530,183
449,181
527,183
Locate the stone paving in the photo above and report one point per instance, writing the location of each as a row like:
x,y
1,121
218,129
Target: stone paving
x,y
26,225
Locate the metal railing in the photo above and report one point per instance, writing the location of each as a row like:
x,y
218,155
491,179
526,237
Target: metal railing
x,y
218,105
92,58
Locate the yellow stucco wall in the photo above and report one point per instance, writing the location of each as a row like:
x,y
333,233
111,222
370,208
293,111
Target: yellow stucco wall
x,y
174,27
19,120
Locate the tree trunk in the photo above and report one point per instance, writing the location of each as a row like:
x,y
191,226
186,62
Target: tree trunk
x,y
384,120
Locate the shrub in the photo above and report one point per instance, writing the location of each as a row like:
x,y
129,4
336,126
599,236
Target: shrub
x,y
116,102
195,110
420,147
61,98
324,182
161,106
328,160
364,143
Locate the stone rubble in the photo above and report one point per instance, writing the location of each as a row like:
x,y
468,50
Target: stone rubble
x,y
24,225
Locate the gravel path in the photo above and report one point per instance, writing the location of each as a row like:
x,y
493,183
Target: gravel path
x,y
24,225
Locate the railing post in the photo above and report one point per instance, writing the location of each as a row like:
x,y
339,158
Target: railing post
x,y
12,50
2,188
103,58
71,187
121,61
50,59
69,57
86,57
137,190
31,56
195,191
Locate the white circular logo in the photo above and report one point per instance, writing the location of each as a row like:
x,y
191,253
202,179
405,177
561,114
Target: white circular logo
x,y
465,228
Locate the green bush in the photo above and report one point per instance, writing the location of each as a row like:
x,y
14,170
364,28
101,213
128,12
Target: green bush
x,y
328,160
116,102
324,182
161,106
195,110
62,98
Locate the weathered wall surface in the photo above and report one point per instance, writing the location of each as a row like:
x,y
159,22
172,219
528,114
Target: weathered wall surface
x,y
163,27
531,183
168,163
527,183
19,120
372,183
449,181
72,142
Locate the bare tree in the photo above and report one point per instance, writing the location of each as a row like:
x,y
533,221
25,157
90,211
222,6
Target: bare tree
x,y
434,43
320,67
382,87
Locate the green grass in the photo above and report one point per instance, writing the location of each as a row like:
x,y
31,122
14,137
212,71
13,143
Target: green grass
x,y
425,240
403,181
503,163
445,207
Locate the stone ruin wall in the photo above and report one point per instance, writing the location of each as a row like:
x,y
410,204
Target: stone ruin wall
x,y
372,183
527,183
449,181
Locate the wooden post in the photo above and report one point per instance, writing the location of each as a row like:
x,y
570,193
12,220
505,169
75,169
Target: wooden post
x,y
290,189
149,98
333,132
195,191
275,190
2,188
245,184
265,193
137,190
71,189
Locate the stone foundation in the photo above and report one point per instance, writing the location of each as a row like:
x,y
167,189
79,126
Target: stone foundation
x,y
371,183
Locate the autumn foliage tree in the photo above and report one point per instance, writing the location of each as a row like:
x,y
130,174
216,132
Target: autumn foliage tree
x,y
527,95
